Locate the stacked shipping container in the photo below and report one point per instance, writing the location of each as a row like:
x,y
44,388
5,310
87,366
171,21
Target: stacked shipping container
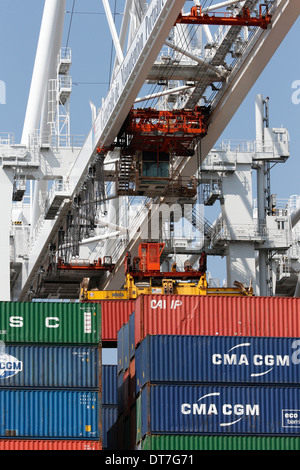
x,y
192,373
213,373
50,376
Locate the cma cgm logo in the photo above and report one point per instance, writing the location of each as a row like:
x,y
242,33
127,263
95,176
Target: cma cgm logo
x,y
266,363
9,365
230,414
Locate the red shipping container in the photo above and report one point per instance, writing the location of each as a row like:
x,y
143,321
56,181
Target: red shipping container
x,y
216,315
115,313
20,444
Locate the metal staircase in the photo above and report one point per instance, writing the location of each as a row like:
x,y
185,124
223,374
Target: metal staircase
x,y
124,175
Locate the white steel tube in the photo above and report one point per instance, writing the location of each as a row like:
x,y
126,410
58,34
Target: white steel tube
x,y
195,58
207,33
221,5
44,68
53,10
52,73
169,91
113,31
123,32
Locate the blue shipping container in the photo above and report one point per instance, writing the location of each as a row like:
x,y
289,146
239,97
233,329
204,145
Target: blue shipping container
x,y
126,346
123,348
131,336
109,419
120,386
192,409
225,359
109,385
120,349
49,414
49,366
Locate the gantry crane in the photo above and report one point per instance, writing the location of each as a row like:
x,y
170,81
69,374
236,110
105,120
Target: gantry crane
x,y
132,68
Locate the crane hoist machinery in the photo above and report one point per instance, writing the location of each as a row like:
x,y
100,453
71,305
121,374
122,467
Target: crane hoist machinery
x,y
149,140
143,275
196,16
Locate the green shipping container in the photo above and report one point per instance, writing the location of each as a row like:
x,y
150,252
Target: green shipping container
x,y
190,443
42,322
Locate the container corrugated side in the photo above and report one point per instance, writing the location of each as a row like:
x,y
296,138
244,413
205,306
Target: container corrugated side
x,y
216,316
225,359
47,366
109,419
66,323
196,409
120,348
123,348
49,414
131,337
109,385
45,445
190,443
126,346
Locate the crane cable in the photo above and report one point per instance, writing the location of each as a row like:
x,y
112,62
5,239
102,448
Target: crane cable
x,y
70,24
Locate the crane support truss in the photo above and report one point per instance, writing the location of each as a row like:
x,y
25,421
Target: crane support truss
x,y
244,19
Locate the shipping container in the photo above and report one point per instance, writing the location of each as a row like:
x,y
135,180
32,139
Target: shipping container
x,y
44,445
49,366
204,409
63,323
109,419
216,316
190,443
123,348
49,414
120,393
115,313
132,382
115,435
109,385
120,349
131,336
126,346
126,393
226,359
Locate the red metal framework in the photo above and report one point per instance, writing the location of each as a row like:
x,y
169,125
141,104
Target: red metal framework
x,y
262,20
147,265
164,131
